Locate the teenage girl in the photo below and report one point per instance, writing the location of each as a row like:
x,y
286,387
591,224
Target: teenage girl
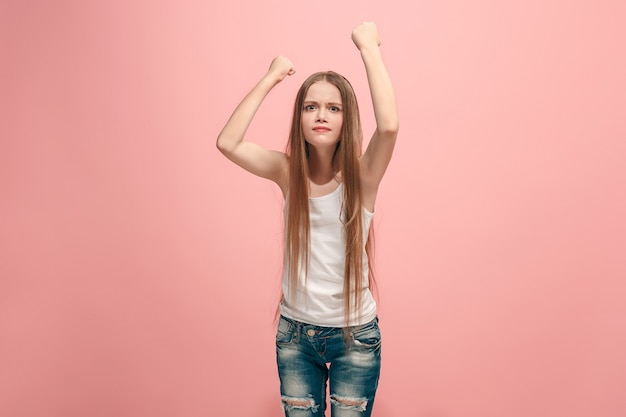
x,y
328,328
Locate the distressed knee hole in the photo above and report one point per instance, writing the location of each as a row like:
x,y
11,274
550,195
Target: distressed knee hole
x,y
295,403
356,404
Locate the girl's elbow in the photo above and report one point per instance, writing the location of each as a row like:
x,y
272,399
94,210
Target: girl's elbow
x,y
394,128
219,144
223,145
389,128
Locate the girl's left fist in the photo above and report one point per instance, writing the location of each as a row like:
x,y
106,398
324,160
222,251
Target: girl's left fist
x,y
365,34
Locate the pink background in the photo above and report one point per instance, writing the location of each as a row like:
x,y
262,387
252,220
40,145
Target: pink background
x,y
140,269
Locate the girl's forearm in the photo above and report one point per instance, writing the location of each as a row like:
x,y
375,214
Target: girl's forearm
x,y
381,89
235,129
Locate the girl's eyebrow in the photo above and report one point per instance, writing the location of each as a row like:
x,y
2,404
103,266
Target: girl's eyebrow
x,y
332,103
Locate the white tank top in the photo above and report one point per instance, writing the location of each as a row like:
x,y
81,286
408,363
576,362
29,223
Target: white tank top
x,y
319,298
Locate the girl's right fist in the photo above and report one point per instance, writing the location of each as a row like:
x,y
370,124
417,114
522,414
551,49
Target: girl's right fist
x,y
281,67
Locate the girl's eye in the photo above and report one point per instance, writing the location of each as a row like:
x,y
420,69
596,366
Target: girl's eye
x,y
309,107
334,109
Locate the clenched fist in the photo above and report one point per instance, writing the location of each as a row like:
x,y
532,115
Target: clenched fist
x,y
365,35
280,68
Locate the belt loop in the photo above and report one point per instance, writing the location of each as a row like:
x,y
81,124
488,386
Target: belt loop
x,y
298,330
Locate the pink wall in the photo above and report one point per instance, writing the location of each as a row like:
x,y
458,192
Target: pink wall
x,y
140,269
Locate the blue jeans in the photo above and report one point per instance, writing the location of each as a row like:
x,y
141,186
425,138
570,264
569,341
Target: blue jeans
x,y
309,356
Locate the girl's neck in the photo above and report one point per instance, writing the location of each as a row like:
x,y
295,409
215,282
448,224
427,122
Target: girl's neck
x,y
322,170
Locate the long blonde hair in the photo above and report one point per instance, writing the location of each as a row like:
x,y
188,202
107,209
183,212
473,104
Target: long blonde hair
x,y
346,158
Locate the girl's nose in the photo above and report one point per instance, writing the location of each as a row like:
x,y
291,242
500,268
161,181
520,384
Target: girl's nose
x,y
321,115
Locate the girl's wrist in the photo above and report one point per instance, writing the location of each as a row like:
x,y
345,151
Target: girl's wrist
x,y
270,80
369,48
368,52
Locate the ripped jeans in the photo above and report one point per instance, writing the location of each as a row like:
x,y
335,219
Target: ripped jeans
x,y
309,356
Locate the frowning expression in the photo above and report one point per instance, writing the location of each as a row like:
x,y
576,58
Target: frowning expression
x,y
322,114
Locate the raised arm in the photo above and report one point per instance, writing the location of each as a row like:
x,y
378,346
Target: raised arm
x,y
376,158
248,155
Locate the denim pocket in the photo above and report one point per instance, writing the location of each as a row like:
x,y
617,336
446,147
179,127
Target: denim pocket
x,y
367,336
284,334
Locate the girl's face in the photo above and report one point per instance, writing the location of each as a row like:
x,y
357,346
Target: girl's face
x,y
322,114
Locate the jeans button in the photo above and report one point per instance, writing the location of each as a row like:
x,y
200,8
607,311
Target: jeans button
x,y
311,332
